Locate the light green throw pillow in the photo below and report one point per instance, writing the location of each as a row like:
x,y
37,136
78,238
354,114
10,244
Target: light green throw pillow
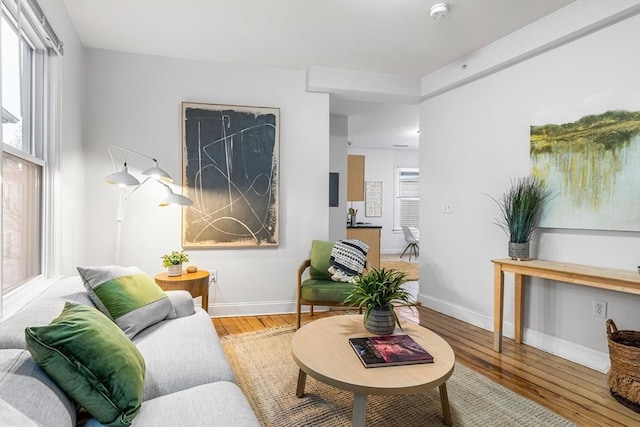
x,y
127,296
92,361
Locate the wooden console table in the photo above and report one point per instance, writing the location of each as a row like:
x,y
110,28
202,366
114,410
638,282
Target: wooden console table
x,y
596,277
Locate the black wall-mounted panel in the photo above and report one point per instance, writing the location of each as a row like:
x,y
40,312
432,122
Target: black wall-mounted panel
x,y
334,183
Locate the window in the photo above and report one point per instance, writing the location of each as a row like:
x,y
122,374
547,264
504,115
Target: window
x,y
29,125
407,202
21,221
17,61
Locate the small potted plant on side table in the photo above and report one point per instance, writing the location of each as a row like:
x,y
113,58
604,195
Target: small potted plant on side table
x,y
173,262
376,291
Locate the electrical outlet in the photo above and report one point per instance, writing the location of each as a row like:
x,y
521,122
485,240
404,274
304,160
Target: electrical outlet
x,y
447,207
600,308
213,275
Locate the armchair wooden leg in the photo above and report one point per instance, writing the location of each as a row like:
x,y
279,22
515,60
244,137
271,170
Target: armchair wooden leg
x,y
311,310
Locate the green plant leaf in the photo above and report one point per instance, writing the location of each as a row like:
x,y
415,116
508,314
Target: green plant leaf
x,y
520,208
379,289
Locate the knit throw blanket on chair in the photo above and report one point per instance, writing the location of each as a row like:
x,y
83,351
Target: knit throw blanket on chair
x,y
348,260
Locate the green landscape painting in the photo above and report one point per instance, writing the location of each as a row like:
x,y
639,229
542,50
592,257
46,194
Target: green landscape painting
x,y
592,167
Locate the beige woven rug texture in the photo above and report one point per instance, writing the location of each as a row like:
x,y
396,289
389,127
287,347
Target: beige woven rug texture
x,y
267,374
411,270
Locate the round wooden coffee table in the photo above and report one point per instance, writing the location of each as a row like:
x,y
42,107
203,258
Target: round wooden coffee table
x,y
321,349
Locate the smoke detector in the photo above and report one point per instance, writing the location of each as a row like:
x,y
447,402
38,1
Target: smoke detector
x,y
439,10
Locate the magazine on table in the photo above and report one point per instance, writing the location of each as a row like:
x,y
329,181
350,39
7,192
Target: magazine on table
x,y
389,350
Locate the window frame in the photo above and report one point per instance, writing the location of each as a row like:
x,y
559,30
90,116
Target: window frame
x,y
44,147
398,198
25,94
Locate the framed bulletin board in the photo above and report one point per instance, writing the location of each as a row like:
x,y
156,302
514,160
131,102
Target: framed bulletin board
x,y
373,198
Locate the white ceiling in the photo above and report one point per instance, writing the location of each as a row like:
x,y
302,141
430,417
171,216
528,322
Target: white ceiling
x,y
385,36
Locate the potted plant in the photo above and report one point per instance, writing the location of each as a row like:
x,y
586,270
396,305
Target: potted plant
x,y
520,209
173,262
376,291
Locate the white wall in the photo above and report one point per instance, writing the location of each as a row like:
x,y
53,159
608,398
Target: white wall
x,y
380,166
474,139
338,164
135,101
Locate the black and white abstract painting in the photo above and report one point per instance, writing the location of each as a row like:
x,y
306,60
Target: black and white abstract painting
x,y
230,171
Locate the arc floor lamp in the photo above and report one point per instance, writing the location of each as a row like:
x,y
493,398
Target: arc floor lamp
x,y
129,184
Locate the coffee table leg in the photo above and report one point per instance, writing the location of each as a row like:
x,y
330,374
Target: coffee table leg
x,y
359,410
302,379
444,400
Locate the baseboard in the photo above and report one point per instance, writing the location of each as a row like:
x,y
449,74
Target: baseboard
x,y
463,313
263,308
395,251
577,353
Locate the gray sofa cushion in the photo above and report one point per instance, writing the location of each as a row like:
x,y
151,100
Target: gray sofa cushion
x,y
182,303
42,310
10,416
27,388
40,314
223,401
188,345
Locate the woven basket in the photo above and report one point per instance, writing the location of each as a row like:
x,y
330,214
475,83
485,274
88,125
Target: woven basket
x,y
624,376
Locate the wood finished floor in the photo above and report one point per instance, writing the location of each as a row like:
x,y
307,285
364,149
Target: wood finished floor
x,y
577,393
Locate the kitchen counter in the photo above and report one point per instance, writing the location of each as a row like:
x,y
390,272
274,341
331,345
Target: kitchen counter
x,y
370,234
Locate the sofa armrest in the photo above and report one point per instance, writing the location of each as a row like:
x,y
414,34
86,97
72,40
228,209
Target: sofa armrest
x,y
182,302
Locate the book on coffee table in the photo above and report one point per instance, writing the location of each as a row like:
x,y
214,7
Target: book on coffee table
x,y
389,350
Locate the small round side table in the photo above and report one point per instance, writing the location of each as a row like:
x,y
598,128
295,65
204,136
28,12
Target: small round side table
x,y
197,284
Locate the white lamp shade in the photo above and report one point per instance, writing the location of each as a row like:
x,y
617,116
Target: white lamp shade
x,y
172,198
122,178
158,173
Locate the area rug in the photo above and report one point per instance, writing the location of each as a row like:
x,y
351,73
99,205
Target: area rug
x,y
267,374
410,269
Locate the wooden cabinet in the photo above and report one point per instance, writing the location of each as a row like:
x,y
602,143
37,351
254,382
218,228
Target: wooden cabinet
x,y
355,178
371,236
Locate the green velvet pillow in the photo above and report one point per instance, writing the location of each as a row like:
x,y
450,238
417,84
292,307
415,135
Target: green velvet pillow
x,y
92,361
320,260
127,296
